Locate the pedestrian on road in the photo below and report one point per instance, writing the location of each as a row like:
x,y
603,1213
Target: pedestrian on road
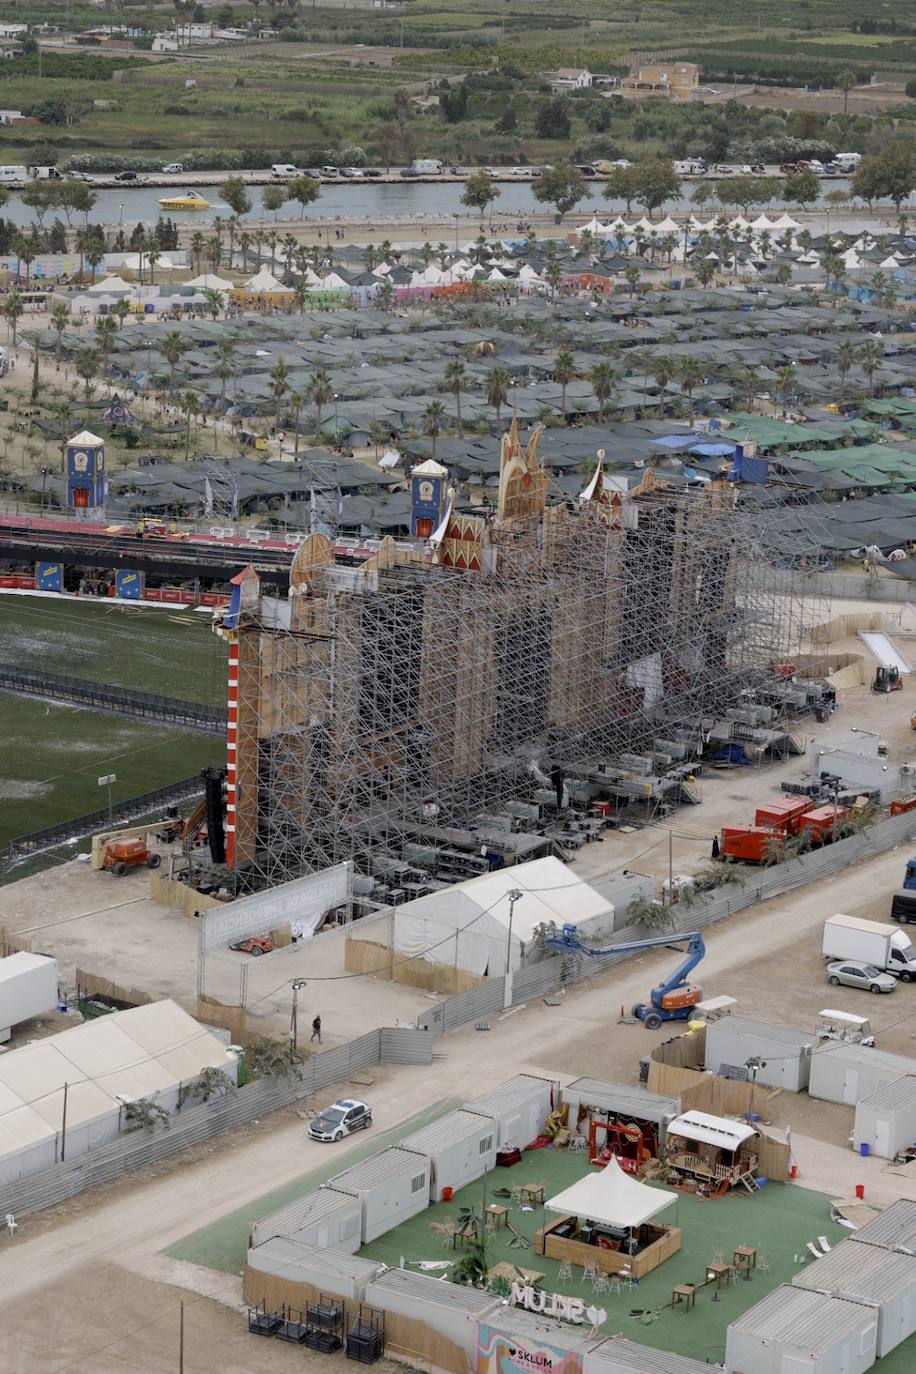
x,y
316,1030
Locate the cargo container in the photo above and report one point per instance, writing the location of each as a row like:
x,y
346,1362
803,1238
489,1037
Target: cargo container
x,y
392,1186
28,987
885,1121
844,1072
750,844
784,814
460,1147
326,1218
617,1355
520,1107
824,823
792,1331
892,1229
786,1053
879,1279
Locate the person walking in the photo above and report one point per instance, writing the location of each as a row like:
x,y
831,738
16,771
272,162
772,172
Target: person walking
x,y
316,1030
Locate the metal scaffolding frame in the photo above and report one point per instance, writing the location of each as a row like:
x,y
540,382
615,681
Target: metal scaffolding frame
x,y
407,693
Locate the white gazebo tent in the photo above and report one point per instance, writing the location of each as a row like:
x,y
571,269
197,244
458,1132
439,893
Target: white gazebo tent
x,y
612,1208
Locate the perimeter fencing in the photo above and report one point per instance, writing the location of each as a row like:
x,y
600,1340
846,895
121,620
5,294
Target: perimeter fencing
x,y
192,1124
558,971
408,1045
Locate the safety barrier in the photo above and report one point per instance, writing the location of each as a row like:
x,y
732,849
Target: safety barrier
x,y
122,701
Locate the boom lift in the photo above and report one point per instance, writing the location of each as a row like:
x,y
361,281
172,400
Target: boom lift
x,y
671,1000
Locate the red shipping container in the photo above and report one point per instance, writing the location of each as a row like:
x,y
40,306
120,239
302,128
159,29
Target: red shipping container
x,y
819,824
750,843
783,814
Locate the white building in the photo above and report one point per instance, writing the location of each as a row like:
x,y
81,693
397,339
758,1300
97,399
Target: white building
x,y
571,79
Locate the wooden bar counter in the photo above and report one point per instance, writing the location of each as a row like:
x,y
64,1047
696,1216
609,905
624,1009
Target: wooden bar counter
x,y
654,1244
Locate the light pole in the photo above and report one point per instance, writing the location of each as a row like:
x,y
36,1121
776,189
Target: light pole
x,y
294,1014
514,896
106,781
336,435
754,1064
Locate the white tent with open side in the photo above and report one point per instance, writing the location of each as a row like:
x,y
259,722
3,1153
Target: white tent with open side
x,y
612,1198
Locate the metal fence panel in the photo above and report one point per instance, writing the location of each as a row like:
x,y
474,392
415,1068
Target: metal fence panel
x,y
404,1045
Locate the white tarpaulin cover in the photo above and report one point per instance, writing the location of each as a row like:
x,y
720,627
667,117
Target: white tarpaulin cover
x,y
611,1198
467,925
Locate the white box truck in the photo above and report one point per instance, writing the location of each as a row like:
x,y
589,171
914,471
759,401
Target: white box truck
x,y
28,987
848,937
426,166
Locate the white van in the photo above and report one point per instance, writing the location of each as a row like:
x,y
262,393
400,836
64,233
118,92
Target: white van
x,y
283,170
848,162
8,174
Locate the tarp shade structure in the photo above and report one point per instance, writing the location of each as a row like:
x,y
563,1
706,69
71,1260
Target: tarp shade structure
x,y
711,1130
611,1198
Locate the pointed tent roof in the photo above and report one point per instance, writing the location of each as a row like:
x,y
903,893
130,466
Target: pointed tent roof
x,y
429,469
208,281
86,439
611,1198
265,281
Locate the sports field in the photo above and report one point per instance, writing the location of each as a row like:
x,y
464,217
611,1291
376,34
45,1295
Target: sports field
x,y
171,653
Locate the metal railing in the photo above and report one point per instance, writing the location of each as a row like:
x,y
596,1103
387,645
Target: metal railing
x,y
122,701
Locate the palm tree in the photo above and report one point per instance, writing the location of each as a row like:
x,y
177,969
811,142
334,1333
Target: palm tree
x,y
602,378
302,290
122,310
456,375
214,302
846,82
105,332
279,385
786,384
845,359
297,401
13,309
704,271
498,390
173,348
433,420
871,356
632,274
784,273
198,245
87,363
60,318
564,372
385,295
319,391
552,274
690,375
224,367
662,371
191,406
153,254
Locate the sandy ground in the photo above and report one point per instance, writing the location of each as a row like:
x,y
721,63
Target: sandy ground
x,y
113,1239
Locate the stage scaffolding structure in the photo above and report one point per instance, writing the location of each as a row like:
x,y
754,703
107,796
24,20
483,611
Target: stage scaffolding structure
x,y
411,694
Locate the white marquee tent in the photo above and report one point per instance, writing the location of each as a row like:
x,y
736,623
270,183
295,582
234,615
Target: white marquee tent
x,y
612,1198
147,1052
467,926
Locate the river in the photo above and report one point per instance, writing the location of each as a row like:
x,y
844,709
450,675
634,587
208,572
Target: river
x,y
391,202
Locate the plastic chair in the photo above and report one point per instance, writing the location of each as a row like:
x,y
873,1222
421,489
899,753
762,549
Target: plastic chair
x,y
12,1225
565,1271
589,1273
824,1244
601,1284
763,1263
577,1145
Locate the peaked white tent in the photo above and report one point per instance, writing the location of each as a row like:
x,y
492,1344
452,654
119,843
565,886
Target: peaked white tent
x,y
265,281
612,1198
208,281
110,286
668,226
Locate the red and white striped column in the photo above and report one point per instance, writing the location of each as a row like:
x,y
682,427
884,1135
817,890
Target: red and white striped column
x,y
232,723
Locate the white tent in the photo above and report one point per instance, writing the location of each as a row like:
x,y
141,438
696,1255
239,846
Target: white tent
x,y
786,221
594,226
467,926
265,281
208,281
762,222
139,262
668,226
110,286
611,1197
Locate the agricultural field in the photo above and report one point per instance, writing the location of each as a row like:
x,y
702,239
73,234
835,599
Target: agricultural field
x,y
55,754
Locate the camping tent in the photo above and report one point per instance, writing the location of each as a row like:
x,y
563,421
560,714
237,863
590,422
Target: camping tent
x,y
612,1198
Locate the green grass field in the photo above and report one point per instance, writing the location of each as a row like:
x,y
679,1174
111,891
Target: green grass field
x,y
171,654
54,756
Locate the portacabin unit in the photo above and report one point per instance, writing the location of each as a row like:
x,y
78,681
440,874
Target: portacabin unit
x,y
28,987
885,1121
326,1218
520,1108
593,1098
843,1072
392,1186
460,1147
416,1305
617,1355
879,1279
792,1331
786,1053
284,1273
892,1229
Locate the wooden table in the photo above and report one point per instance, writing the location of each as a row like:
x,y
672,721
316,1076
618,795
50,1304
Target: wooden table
x,y
498,1216
531,1192
745,1258
685,1293
511,1273
718,1273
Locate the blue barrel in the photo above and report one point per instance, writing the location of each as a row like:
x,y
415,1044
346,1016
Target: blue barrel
x,y
864,1148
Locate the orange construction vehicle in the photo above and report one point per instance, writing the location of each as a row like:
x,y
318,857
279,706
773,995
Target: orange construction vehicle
x,y
121,855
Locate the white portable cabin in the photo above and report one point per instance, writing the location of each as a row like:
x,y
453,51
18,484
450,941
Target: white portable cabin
x,y
600,1099
460,1147
617,1355
886,1120
28,987
892,1229
392,1186
329,1271
733,1040
792,1331
327,1218
879,1279
842,1072
520,1108
450,1309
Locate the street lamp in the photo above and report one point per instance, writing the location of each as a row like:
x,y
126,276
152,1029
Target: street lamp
x,y
514,896
294,1013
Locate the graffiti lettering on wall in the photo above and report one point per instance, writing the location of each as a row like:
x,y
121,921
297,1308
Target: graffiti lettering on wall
x,y
499,1352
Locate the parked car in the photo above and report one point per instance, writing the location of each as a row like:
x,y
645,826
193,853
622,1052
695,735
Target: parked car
x,y
351,172
127,176
254,944
173,167
343,1118
854,975
456,170
373,172
758,169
